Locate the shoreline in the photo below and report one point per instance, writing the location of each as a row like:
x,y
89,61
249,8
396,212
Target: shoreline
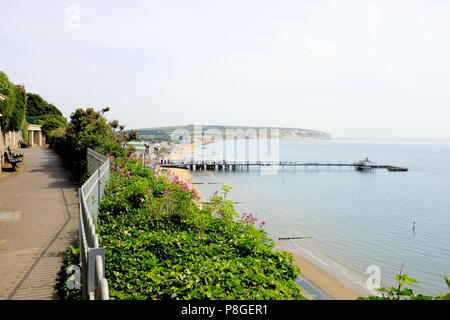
x,y
322,279
310,271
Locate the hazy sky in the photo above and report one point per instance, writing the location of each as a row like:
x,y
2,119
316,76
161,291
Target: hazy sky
x,y
351,68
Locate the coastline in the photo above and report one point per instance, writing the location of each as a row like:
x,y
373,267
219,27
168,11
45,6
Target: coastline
x,y
322,279
310,271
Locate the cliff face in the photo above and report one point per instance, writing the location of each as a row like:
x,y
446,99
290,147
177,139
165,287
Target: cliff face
x,y
303,134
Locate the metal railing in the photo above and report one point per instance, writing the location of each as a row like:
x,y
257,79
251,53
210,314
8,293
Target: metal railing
x,y
92,257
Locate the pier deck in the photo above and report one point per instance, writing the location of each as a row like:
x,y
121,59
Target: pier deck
x,y
233,165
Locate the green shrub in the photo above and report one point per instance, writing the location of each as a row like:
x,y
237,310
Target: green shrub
x,y
25,132
402,293
18,113
14,106
160,244
37,107
50,123
87,129
69,258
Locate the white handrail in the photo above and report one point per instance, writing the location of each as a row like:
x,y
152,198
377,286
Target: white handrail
x,y
92,257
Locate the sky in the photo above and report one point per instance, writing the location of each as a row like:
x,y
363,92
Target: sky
x,y
350,68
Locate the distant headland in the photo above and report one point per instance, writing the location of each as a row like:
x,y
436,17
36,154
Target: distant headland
x,y
164,133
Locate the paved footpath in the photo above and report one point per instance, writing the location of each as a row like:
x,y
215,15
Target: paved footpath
x,y
38,219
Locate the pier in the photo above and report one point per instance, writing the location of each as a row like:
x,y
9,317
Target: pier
x,y
245,165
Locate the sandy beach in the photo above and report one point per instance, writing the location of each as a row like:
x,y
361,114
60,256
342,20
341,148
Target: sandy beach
x,y
183,149
310,271
314,274
326,282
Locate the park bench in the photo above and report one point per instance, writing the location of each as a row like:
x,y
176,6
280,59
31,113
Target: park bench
x,y
13,158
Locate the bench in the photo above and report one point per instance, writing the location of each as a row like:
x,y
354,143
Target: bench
x,y
13,158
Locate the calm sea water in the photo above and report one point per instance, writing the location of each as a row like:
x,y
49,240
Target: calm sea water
x,y
354,219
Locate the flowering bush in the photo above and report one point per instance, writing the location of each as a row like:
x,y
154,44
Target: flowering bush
x,y
160,244
87,129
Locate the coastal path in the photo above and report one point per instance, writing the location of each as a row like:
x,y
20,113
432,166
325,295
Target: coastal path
x,y
38,219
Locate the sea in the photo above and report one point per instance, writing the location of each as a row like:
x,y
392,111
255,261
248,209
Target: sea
x,y
362,227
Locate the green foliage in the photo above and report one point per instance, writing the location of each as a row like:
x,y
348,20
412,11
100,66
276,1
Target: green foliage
x,y
49,116
69,258
160,244
25,132
87,129
18,113
401,293
13,108
51,122
37,107
6,106
447,296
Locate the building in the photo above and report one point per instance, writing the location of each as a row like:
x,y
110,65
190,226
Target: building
x,y
35,136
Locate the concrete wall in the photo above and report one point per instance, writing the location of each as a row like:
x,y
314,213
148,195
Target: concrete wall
x,y
11,138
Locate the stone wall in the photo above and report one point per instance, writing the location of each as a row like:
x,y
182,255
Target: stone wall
x,y
11,138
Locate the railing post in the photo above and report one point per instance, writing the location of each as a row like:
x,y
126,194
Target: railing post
x,y
99,182
79,223
93,253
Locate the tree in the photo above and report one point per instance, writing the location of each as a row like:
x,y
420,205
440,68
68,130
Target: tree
x,y
88,129
14,106
37,107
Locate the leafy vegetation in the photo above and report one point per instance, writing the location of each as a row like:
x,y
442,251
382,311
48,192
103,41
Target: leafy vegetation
x,y
38,107
69,258
89,129
48,116
402,293
160,244
14,106
25,132
19,104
